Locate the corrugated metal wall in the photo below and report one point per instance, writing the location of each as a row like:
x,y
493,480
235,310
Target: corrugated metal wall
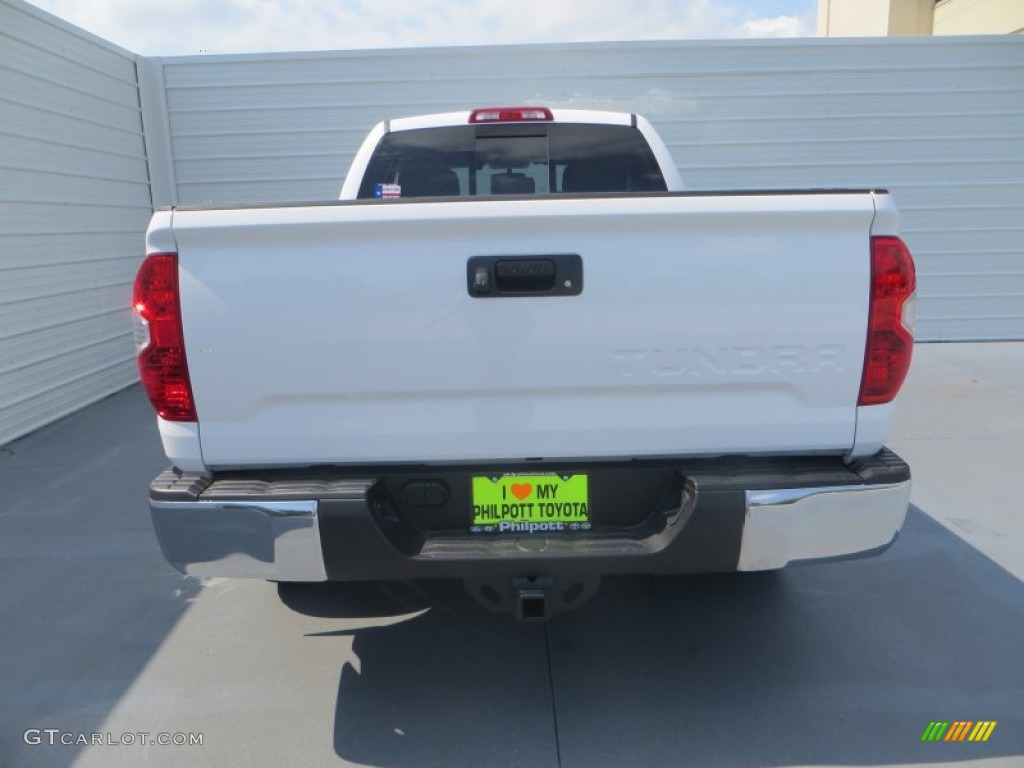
x,y
74,203
938,121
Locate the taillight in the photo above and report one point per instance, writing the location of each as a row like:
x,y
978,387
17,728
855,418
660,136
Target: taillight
x,y
510,115
159,339
890,342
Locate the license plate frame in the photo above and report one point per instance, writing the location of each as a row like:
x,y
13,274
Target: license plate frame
x,y
530,502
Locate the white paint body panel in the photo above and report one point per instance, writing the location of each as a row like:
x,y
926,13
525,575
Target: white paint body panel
x,y
345,333
180,440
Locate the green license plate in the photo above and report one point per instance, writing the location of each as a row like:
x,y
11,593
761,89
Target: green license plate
x,y
530,503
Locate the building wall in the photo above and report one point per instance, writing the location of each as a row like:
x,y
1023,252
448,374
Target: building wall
x,y
911,17
871,18
979,17
937,121
74,203
857,18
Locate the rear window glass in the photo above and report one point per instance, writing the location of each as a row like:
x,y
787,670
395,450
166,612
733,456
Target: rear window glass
x,y
513,159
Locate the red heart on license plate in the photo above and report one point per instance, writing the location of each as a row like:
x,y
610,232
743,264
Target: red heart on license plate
x,y
521,490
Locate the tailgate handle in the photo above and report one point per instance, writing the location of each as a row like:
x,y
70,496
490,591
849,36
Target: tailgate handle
x,y
526,276
504,276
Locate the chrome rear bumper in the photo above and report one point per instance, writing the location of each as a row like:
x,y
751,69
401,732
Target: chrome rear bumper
x,y
782,526
275,540
342,527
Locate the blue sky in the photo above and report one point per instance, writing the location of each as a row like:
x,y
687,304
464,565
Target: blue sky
x,y
178,27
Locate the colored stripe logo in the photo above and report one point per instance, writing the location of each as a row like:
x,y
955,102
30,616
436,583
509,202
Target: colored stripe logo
x,y
958,730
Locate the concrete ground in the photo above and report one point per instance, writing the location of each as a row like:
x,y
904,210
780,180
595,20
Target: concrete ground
x,y
960,425
825,665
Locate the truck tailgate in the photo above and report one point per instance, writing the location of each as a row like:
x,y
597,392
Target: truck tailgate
x,y
346,333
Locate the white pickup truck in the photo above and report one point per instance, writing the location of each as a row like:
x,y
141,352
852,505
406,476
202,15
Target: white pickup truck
x,y
516,353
